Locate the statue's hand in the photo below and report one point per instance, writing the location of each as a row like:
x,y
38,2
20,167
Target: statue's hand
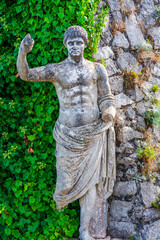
x,y
109,114
27,44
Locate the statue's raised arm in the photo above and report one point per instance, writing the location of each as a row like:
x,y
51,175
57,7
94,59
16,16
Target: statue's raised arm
x,y
44,73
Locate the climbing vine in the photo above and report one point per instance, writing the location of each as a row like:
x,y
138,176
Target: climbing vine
x,y
28,114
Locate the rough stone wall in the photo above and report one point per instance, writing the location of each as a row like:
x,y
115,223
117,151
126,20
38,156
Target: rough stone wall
x,y
131,24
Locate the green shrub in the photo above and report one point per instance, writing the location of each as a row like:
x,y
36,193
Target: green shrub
x,y
156,204
28,114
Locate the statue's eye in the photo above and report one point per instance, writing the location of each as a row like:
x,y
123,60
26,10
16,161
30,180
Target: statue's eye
x,y
70,43
79,43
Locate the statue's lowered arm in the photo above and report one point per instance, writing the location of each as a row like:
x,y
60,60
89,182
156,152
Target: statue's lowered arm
x,y
106,99
44,73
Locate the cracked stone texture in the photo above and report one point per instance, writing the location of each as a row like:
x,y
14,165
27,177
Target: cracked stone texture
x,y
119,210
155,69
127,147
103,53
126,61
141,122
125,189
134,32
139,94
116,84
146,15
127,5
156,130
121,229
141,109
111,67
127,133
148,187
130,113
151,214
115,10
122,100
120,41
155,34
152,231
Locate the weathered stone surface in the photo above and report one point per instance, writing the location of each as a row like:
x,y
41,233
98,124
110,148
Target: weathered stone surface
x,y
127,5
107,37
116,239
131,171
111,67
106,34
134,32
155,69
120,117
139,94
114,5
119,210
126,61
141,109
155,34
122,100
146,15
125,189
154,79
116,84
127,147
141,122
98,223
103,53
146,86
115,10
121,229
152,231
130,112
151,214
156,130
120,41
127,133
149,191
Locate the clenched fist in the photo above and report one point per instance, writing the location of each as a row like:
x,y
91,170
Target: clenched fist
x,y
27,44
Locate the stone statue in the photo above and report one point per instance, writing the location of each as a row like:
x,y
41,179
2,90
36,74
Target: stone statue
x,y
84,133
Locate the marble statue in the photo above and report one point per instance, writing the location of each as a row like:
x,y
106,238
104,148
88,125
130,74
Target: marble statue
x,y
84,132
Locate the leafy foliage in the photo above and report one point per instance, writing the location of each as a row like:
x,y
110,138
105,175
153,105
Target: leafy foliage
x,y
149,117
131,79
155,88
28,114
156,204
149,153
152,116
157,14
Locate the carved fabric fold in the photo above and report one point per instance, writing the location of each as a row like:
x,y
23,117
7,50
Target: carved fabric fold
x,y
106,101
85,157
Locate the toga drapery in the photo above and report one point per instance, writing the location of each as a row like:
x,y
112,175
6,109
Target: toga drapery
x,y
85,157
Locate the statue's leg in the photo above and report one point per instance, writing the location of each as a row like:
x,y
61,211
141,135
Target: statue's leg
x,y
87,203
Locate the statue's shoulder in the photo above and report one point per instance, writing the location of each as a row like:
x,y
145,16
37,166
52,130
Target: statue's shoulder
x,y
95,64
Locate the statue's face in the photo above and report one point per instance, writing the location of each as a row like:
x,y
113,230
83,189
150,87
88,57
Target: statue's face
x,y
75,46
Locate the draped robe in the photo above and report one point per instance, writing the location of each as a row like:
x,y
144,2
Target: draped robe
x,y
85,157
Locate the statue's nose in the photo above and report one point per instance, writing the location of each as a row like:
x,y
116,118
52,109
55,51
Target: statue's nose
x,y
75,46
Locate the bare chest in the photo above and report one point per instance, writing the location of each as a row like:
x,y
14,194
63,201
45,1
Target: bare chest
x,y
72,76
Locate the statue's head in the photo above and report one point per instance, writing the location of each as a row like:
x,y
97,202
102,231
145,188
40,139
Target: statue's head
x,y
75,40
75,32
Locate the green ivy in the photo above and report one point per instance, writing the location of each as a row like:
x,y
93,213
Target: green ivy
x,y
28,114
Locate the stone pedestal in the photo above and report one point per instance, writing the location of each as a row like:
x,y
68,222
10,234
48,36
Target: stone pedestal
x,y
98,224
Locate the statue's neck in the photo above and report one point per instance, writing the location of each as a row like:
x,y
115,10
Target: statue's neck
x,y
76,60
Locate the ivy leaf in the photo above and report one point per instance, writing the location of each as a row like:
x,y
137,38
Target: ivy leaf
x,y
31,200
31,137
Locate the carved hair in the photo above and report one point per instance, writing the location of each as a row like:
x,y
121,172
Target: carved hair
x,y
75,31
